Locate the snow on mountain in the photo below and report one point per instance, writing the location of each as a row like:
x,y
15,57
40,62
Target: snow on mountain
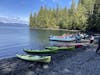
x,y
13,20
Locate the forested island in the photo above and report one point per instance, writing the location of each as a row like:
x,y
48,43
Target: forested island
x,y
83,16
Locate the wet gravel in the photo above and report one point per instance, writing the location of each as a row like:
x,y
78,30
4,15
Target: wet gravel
x,y
82,61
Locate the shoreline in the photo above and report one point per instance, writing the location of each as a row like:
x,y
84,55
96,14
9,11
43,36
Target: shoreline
x,y
91,32
63,63
56,29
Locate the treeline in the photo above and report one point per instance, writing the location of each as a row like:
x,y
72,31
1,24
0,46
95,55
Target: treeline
x,y
94,19
86,15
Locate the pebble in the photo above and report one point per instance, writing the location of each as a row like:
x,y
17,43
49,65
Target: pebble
x,y
30,73
66,70
45,66
78,63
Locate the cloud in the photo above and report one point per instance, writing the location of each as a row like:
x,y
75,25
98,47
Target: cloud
x,y
7,19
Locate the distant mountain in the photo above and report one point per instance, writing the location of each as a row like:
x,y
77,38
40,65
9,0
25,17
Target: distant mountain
x,y
13,24
8,20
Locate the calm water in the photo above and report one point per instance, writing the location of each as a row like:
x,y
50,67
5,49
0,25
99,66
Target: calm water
x,y
13,39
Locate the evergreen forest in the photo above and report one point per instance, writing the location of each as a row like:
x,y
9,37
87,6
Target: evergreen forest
x,y
84,16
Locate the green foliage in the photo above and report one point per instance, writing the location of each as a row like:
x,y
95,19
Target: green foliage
x,y
81,18
77,18
89,5
94,19
30,23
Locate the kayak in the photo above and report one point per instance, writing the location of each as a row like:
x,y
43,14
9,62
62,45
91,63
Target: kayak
x,y
36,58
61,48
40,51
77,45
69,38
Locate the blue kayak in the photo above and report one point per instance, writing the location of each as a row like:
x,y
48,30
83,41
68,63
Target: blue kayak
x,y
62,38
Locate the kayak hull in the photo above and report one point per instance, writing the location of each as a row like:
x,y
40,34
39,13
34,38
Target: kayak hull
x,y
66,39
36,58
61,48
77,45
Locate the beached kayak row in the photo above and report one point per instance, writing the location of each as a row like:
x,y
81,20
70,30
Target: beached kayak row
x,y
51,49
46,59
73,62
38,58
68,37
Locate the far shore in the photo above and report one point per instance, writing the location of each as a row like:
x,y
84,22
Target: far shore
x,y
94,33
57,29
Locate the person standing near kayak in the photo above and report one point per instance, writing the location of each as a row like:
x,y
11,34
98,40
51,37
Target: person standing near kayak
x,y
78,38
91,39
98,48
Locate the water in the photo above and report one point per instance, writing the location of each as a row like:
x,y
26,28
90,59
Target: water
x,y
15,38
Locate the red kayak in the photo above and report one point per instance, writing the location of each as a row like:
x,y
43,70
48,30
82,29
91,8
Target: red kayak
x,y
69,45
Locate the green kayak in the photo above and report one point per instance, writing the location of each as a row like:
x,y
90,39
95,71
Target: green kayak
x,y
61,48
40,51
36,58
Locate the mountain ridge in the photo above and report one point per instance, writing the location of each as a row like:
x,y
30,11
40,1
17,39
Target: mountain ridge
x,y
12,20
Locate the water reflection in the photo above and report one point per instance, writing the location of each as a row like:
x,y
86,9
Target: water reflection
x,y
14,39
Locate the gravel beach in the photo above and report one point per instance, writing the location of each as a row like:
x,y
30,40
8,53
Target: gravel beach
x,y
82,61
